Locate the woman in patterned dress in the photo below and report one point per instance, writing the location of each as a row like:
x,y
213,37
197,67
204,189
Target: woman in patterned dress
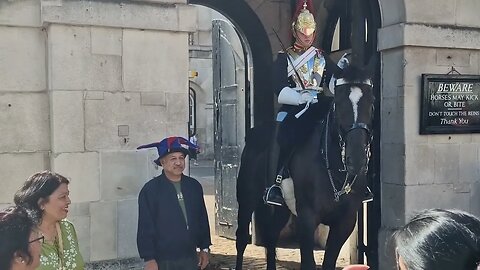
x,y
45,195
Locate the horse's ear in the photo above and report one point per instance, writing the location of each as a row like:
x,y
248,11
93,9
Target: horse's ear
x,y
330,65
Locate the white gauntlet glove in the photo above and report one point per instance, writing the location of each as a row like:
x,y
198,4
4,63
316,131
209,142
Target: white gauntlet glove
x,y
290,96
308,96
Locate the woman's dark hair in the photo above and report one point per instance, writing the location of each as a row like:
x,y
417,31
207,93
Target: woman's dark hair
x,y
438,239
36,190
15,230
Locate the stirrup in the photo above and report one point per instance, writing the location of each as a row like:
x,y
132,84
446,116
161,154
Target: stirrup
x,y
274,197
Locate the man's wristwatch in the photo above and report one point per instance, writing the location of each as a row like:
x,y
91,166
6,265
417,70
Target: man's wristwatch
x,y
206,250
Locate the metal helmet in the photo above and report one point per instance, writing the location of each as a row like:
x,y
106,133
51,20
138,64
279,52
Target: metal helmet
x,y
303,20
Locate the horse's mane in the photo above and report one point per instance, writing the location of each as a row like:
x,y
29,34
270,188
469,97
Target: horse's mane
x,y
354,73
260,136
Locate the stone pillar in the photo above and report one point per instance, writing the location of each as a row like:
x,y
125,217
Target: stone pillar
x,y
24,105
424,171
83,84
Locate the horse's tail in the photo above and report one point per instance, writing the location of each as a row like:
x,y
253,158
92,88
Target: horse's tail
x,y
253,169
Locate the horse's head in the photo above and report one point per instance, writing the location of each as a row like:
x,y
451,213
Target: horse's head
x,y
354,115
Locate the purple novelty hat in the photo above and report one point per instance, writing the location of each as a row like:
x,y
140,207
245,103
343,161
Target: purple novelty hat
x,y
171,145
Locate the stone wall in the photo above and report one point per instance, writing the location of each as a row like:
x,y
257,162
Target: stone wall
x,y
83,84
201,62
424,171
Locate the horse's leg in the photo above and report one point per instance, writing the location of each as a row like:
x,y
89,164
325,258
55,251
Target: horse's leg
x,y
305,231
245,211
337,236
271,254
272,225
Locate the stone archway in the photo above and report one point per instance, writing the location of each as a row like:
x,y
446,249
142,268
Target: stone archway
x,y
255,20
251,31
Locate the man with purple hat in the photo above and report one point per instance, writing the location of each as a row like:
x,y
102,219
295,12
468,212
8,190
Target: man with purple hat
x,y
172,220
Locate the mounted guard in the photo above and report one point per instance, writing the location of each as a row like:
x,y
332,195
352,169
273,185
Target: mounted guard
x,y
324,145
299,74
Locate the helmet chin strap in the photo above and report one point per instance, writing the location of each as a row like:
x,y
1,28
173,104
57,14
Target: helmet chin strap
x,y
299,45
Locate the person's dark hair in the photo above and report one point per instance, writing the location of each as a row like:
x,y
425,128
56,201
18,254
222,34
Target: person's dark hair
x,y
15,230
438,239
36,190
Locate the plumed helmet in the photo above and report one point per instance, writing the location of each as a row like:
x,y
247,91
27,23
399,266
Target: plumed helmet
x,y
171,145
303,19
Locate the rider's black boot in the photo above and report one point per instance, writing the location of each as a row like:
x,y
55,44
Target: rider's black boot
x,y
368,196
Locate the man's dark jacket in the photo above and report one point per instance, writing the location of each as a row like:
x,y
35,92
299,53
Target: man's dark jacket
x,y
162,231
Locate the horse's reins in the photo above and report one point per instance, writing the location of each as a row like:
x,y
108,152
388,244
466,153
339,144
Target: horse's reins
x,y
346,187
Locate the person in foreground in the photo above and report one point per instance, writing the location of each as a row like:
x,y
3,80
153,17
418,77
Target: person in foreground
x,y
437,239
45,196
172,220
20,243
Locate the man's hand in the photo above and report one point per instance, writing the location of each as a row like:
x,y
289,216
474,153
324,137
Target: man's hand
x,y
202,259
151,265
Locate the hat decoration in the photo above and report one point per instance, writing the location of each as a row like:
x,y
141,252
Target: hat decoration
x,y
303,20
171,145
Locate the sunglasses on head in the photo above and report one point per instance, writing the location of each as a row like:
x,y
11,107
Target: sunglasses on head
x,y
41,239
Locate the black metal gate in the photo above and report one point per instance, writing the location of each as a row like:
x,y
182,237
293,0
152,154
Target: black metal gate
x,y
229,80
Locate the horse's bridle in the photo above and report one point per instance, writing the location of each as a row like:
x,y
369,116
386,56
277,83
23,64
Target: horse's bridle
x,y
346,188
356,125
342,141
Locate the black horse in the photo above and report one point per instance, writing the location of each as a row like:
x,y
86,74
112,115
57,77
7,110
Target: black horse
x,y
328,172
